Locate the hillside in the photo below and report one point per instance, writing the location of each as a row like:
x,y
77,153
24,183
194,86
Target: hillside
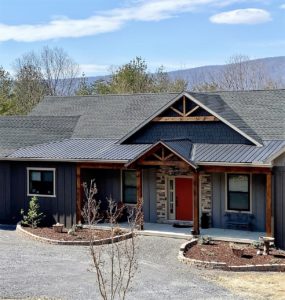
x,y
274,66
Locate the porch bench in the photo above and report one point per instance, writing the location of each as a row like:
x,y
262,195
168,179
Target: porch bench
x,y
239,221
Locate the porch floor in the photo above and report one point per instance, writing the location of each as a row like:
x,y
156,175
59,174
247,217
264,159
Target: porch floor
x,y
167,230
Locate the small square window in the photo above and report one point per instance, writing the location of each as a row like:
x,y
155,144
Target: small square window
x,y
41,182
238,192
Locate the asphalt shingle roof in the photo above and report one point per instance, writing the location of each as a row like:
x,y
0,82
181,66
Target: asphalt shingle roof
x,y
22,131
109,118
105,116
261,114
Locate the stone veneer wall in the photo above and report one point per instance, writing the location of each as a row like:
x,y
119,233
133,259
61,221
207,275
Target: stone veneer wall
x,y
161,190
206,193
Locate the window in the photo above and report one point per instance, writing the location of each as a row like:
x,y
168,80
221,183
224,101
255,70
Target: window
x,y
41,182
238,192
130,187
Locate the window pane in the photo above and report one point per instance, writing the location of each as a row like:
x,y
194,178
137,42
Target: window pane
x,y
238,192
238,183
35,176
130,195
130,187
238,201
41,182
130,178
47,176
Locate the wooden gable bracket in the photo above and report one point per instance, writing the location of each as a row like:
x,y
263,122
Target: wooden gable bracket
x,y
184,115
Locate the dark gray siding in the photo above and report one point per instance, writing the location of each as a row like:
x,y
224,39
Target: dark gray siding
x,y
197,132
149,195
258,201
108,184
279,206
5,204
61,208
218,200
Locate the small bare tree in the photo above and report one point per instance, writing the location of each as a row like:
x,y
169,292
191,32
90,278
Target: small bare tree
x,y
115,264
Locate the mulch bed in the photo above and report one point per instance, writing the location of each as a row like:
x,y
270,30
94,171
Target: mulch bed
x,y
222,252
80,234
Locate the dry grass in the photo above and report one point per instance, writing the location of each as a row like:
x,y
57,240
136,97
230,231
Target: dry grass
x,y
253,285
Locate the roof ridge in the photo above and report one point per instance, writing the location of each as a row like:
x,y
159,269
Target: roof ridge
x,y
124,94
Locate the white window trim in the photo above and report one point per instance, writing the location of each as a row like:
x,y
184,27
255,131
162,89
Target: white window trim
x,y
250,194
41,169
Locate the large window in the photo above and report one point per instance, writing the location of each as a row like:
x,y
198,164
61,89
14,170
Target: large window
x,y
130,187
238,192
41,182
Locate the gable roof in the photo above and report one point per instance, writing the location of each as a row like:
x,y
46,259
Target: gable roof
x,y
258,115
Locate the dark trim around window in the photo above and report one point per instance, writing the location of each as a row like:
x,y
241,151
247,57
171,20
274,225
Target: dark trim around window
x,y
129,186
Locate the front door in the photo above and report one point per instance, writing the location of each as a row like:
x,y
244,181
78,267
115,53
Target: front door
x,y
184,199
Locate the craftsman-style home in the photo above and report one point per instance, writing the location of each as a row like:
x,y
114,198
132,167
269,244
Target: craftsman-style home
x,y
184,154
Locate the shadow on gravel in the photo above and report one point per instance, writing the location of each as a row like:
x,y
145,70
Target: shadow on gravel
x,y
7,227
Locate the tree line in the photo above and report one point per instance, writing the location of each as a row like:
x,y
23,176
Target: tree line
x,y
52,72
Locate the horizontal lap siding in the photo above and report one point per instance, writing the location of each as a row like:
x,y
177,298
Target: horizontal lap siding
x,y
61,208
279,206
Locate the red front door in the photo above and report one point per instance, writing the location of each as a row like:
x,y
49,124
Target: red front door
x,y
184,199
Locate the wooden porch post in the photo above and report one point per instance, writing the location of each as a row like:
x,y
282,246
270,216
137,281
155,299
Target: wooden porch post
x,y
78,194
196,202
139,198
268,204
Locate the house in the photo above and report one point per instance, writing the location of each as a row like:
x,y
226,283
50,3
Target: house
x,y
186,154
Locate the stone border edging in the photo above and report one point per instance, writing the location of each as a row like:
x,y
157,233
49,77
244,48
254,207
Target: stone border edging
x,y
118,238
223,266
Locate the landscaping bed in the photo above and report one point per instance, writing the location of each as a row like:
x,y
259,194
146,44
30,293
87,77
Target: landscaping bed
x,y
221,252
79,235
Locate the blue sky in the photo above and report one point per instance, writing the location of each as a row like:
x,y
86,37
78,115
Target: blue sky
x,y
174,33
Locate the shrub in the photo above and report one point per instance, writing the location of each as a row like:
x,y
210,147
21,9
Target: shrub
x,y
34,216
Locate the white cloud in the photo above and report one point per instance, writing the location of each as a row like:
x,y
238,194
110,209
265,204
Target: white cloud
x,y
282,6
242,16
106,21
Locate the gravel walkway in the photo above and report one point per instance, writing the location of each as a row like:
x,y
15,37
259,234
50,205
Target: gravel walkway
x,y
29,269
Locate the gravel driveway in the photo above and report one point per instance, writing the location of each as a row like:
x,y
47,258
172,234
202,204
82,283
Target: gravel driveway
x,y
32,269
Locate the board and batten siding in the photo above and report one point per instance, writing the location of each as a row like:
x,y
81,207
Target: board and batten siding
x,y
219,201
108,184
149,195
5,199
279,201
61,208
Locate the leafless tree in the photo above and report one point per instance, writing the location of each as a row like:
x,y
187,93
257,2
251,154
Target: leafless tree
x,y
238,74
115,264
56,67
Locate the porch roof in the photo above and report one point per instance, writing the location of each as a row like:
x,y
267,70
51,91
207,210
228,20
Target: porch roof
x,y
110,150
82,149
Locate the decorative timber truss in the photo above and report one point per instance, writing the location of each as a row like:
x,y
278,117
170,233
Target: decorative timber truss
x,y
160,155
184,110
